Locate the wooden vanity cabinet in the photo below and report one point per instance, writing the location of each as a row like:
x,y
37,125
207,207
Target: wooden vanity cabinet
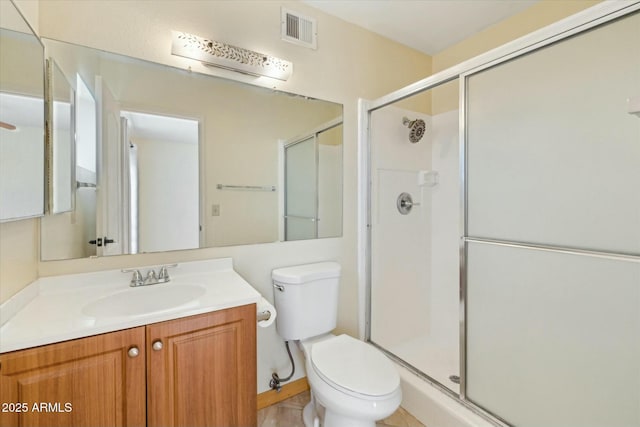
x,y
201,370
194,371
92,381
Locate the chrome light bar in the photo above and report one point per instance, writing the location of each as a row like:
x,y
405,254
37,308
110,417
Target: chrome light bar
x,y
230,57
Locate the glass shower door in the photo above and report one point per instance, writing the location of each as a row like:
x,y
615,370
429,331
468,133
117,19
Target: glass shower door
x,y
553,233
301,190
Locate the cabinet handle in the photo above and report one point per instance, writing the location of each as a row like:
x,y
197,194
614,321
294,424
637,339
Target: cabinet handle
x,y
157,345
133,352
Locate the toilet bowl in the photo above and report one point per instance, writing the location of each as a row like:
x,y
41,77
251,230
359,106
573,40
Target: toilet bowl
x,y
353,384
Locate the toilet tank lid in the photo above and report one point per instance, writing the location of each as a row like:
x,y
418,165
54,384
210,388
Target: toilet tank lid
x,y
306,273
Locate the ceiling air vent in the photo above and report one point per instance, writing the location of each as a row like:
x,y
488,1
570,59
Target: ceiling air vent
x,y
299,29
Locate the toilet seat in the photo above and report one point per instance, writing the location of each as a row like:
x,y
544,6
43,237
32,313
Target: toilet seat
x,y
354,367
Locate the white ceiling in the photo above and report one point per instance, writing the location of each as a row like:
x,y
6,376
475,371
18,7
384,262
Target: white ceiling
x,y
426,25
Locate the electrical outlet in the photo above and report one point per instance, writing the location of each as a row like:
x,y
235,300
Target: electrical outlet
x,y
215,210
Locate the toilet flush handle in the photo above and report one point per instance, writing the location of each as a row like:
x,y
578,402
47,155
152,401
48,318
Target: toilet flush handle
x,y
278,287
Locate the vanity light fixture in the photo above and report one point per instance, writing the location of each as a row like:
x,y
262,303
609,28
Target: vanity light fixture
x,y
230,57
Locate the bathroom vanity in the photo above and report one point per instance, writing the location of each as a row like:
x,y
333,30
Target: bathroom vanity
x,y
70,359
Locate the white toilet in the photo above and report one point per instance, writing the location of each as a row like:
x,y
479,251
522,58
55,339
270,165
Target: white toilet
x,y
352,383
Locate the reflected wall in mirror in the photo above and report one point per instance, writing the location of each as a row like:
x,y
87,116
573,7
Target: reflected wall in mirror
x,y
184,160
21,118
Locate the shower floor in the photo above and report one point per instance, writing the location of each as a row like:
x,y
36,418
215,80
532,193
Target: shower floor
x,y
434,359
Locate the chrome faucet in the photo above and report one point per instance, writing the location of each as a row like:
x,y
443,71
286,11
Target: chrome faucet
x,y
163,275
136,280
151,277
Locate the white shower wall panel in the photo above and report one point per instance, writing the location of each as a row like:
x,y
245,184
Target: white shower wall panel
x,y
400,262
400,243
445,233
390,147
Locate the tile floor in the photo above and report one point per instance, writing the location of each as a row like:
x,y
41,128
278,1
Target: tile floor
x,y
288,413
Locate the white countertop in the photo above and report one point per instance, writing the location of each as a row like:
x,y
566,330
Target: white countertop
x,y
54,309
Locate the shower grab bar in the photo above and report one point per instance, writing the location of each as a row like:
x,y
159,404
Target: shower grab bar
x,y
310,218
80,184
247,187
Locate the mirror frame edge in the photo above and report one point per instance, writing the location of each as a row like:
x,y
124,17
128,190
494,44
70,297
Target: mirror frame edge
x,y
45,196
51,66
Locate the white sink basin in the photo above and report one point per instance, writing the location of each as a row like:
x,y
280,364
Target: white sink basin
x,y
144,300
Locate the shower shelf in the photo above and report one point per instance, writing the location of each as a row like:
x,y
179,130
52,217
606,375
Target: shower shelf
x,y
428,178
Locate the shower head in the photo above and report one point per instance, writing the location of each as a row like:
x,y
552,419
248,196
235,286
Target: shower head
x,y
417,129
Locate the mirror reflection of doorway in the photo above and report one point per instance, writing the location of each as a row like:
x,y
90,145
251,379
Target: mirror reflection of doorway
x,y
86,175
162,190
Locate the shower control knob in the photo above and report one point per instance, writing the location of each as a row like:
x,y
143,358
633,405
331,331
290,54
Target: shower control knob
x,y
157,345
404,203
133,352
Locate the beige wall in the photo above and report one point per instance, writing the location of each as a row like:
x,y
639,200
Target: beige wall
x,y
18,256
30,9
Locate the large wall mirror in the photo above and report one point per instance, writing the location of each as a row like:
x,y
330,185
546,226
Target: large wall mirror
x,y
21,118
167,159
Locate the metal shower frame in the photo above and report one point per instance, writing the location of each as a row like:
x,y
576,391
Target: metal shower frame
x,y
312,134
597,15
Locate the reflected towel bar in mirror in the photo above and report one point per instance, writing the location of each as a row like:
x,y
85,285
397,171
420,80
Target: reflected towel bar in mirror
x,y
85,184
247,187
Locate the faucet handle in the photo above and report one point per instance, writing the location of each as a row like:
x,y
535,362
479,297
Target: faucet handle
x,y
151,276
163,276
136,279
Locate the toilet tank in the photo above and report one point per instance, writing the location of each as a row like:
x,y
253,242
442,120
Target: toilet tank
x,y
306,299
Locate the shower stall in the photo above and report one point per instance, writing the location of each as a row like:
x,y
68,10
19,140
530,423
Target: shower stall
x,y
500,231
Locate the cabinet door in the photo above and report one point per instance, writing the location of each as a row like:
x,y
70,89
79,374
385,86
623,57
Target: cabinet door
x,y
204,374
86,382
